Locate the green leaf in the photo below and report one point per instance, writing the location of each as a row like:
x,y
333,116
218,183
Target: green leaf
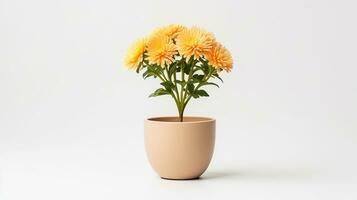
x,y
198,77
187,68
168,85
205,67
190,88
146,62
151,67
217,76
210,83
149,73
203,61
195,96
159,92
173,68
152,70
139,66
201,93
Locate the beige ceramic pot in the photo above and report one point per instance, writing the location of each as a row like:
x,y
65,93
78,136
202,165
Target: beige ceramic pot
x,y
179,150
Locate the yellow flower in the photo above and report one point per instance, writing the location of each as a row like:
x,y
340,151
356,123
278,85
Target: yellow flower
x,y
135,54
194,42
171,31
220,58
160,50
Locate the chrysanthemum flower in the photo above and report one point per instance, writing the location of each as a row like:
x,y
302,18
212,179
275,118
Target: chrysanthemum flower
x,y
219,57
160,50
135,54
194,42
171,31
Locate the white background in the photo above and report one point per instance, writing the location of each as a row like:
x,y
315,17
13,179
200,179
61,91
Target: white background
x,y
71,117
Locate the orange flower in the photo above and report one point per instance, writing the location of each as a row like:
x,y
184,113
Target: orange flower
x,y
194,42
220,58
172,31
161,50
135,54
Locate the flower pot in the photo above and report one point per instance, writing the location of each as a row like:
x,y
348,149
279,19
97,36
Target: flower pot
x,y
179,150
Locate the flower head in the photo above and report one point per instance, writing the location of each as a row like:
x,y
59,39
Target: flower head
x,y
135,54
172,31
194,42
220,58
160,50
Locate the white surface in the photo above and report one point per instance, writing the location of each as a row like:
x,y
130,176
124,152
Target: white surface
x,y
71,117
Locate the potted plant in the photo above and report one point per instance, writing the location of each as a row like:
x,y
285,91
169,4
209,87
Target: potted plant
x,y
185,61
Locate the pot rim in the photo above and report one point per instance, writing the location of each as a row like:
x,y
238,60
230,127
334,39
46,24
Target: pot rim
x,y
161,119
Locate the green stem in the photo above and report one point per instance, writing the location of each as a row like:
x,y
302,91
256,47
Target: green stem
x,y
189,79
164,79
197,87
181,100
170,78
168,74
182,80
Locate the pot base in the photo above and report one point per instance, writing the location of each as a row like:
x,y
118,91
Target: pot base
x,y
180,179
